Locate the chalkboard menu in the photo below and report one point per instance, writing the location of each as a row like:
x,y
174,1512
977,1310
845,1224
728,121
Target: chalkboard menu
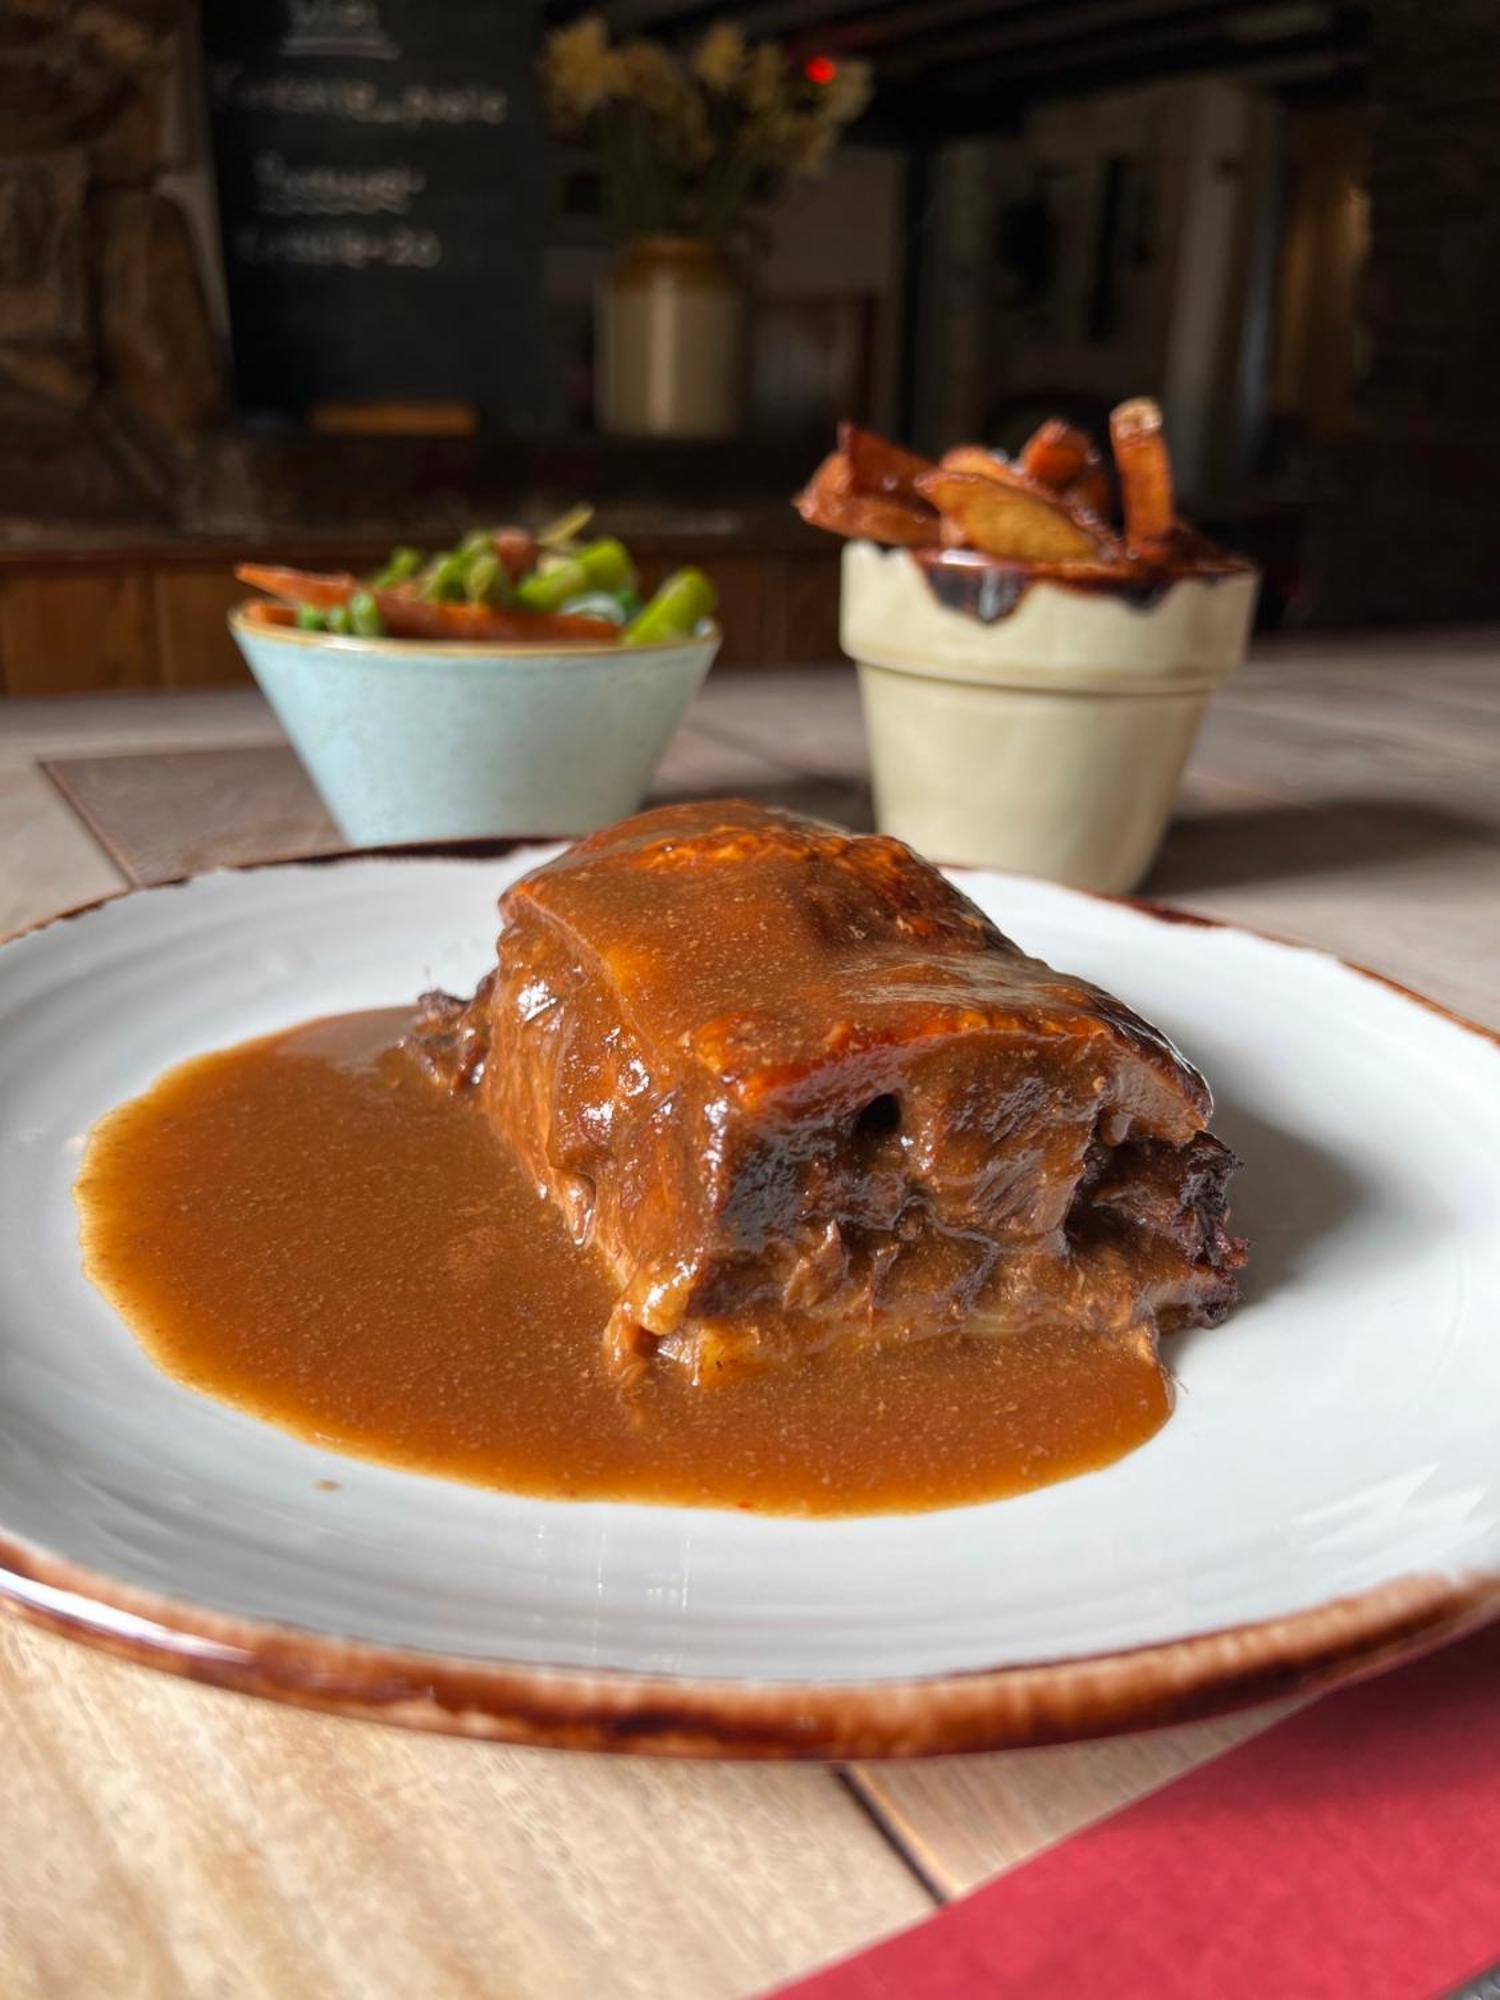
x,y
381,191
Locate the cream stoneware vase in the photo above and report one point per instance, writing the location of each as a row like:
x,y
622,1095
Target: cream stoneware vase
x,y
671,341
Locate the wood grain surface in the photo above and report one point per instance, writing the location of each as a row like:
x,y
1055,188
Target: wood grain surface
x,y
166,1840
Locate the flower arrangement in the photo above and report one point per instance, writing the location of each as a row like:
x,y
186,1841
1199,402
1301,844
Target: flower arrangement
x,y
685,142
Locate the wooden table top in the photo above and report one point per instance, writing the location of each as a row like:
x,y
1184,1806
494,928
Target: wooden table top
x,y
167,1840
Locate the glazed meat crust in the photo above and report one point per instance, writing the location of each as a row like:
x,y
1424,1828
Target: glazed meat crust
x,y
797,1089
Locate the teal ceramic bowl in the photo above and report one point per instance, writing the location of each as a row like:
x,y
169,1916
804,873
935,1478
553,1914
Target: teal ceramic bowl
x,y
408,740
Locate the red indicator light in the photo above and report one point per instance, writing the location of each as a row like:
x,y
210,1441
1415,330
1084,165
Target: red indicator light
x,y
820,70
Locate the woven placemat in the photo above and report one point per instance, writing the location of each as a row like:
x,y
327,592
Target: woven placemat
x,y
162,814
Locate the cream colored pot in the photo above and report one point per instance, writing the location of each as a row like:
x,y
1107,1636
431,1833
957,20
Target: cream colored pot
x,y
1048,741
671,341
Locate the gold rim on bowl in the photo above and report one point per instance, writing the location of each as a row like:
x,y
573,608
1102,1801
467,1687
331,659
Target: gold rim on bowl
x,y
473,650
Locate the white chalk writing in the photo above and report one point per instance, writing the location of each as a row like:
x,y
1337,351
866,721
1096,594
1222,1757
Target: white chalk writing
x,y
412,106
345,245
337,27
283,189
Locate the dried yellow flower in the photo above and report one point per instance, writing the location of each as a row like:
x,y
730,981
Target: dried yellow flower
x,y
842,99
763,84
651,76
580,70
686,142
720,57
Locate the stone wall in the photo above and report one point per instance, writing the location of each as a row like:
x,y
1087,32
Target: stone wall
x,y
1411,534
110,368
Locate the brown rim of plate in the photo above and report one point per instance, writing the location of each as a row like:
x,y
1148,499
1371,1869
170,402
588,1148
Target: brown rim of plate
x,y
1045,1701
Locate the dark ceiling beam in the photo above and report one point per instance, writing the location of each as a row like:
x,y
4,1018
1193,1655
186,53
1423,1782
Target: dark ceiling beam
x,y
957,98
1169,54
1102,26
802,21
877,26
931,113
760,19
925,114
879,22
658,15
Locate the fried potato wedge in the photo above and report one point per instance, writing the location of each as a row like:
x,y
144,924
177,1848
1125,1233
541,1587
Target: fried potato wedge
x,y
1065,458
1088,491
1057,454
1145,469
1012,518
829,501
977,458
879,467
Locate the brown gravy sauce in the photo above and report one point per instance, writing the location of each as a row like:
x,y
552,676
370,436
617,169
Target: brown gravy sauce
x,y
304,1227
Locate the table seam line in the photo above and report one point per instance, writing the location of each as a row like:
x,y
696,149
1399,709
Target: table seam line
x,y
891,1834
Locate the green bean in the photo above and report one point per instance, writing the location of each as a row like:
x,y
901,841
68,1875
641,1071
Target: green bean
x,y
364,616
340,620
607,564
675,612
402,567
310,619
483,578
444,580
549,589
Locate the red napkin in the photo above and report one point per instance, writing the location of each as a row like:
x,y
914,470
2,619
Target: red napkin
x,y
1352,1852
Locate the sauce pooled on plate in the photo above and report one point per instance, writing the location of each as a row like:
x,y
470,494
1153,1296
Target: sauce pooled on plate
x,y
306,1228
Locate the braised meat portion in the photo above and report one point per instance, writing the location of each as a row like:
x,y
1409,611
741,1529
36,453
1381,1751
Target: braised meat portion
x,y
797,1089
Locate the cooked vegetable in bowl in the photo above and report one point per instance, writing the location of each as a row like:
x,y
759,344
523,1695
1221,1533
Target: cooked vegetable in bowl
x,y
498,586
514,683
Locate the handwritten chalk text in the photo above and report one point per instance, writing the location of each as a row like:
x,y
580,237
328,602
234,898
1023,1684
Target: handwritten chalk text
x,y
412,107
346,246
283,189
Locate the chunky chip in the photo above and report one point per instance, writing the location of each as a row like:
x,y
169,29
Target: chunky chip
x,y
1051,508
1057,453
1017,521
1065,458
1145,470
829,501
978,458
878,467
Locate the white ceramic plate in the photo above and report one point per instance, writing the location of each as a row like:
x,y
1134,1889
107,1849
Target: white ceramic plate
x,y
1326,1495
